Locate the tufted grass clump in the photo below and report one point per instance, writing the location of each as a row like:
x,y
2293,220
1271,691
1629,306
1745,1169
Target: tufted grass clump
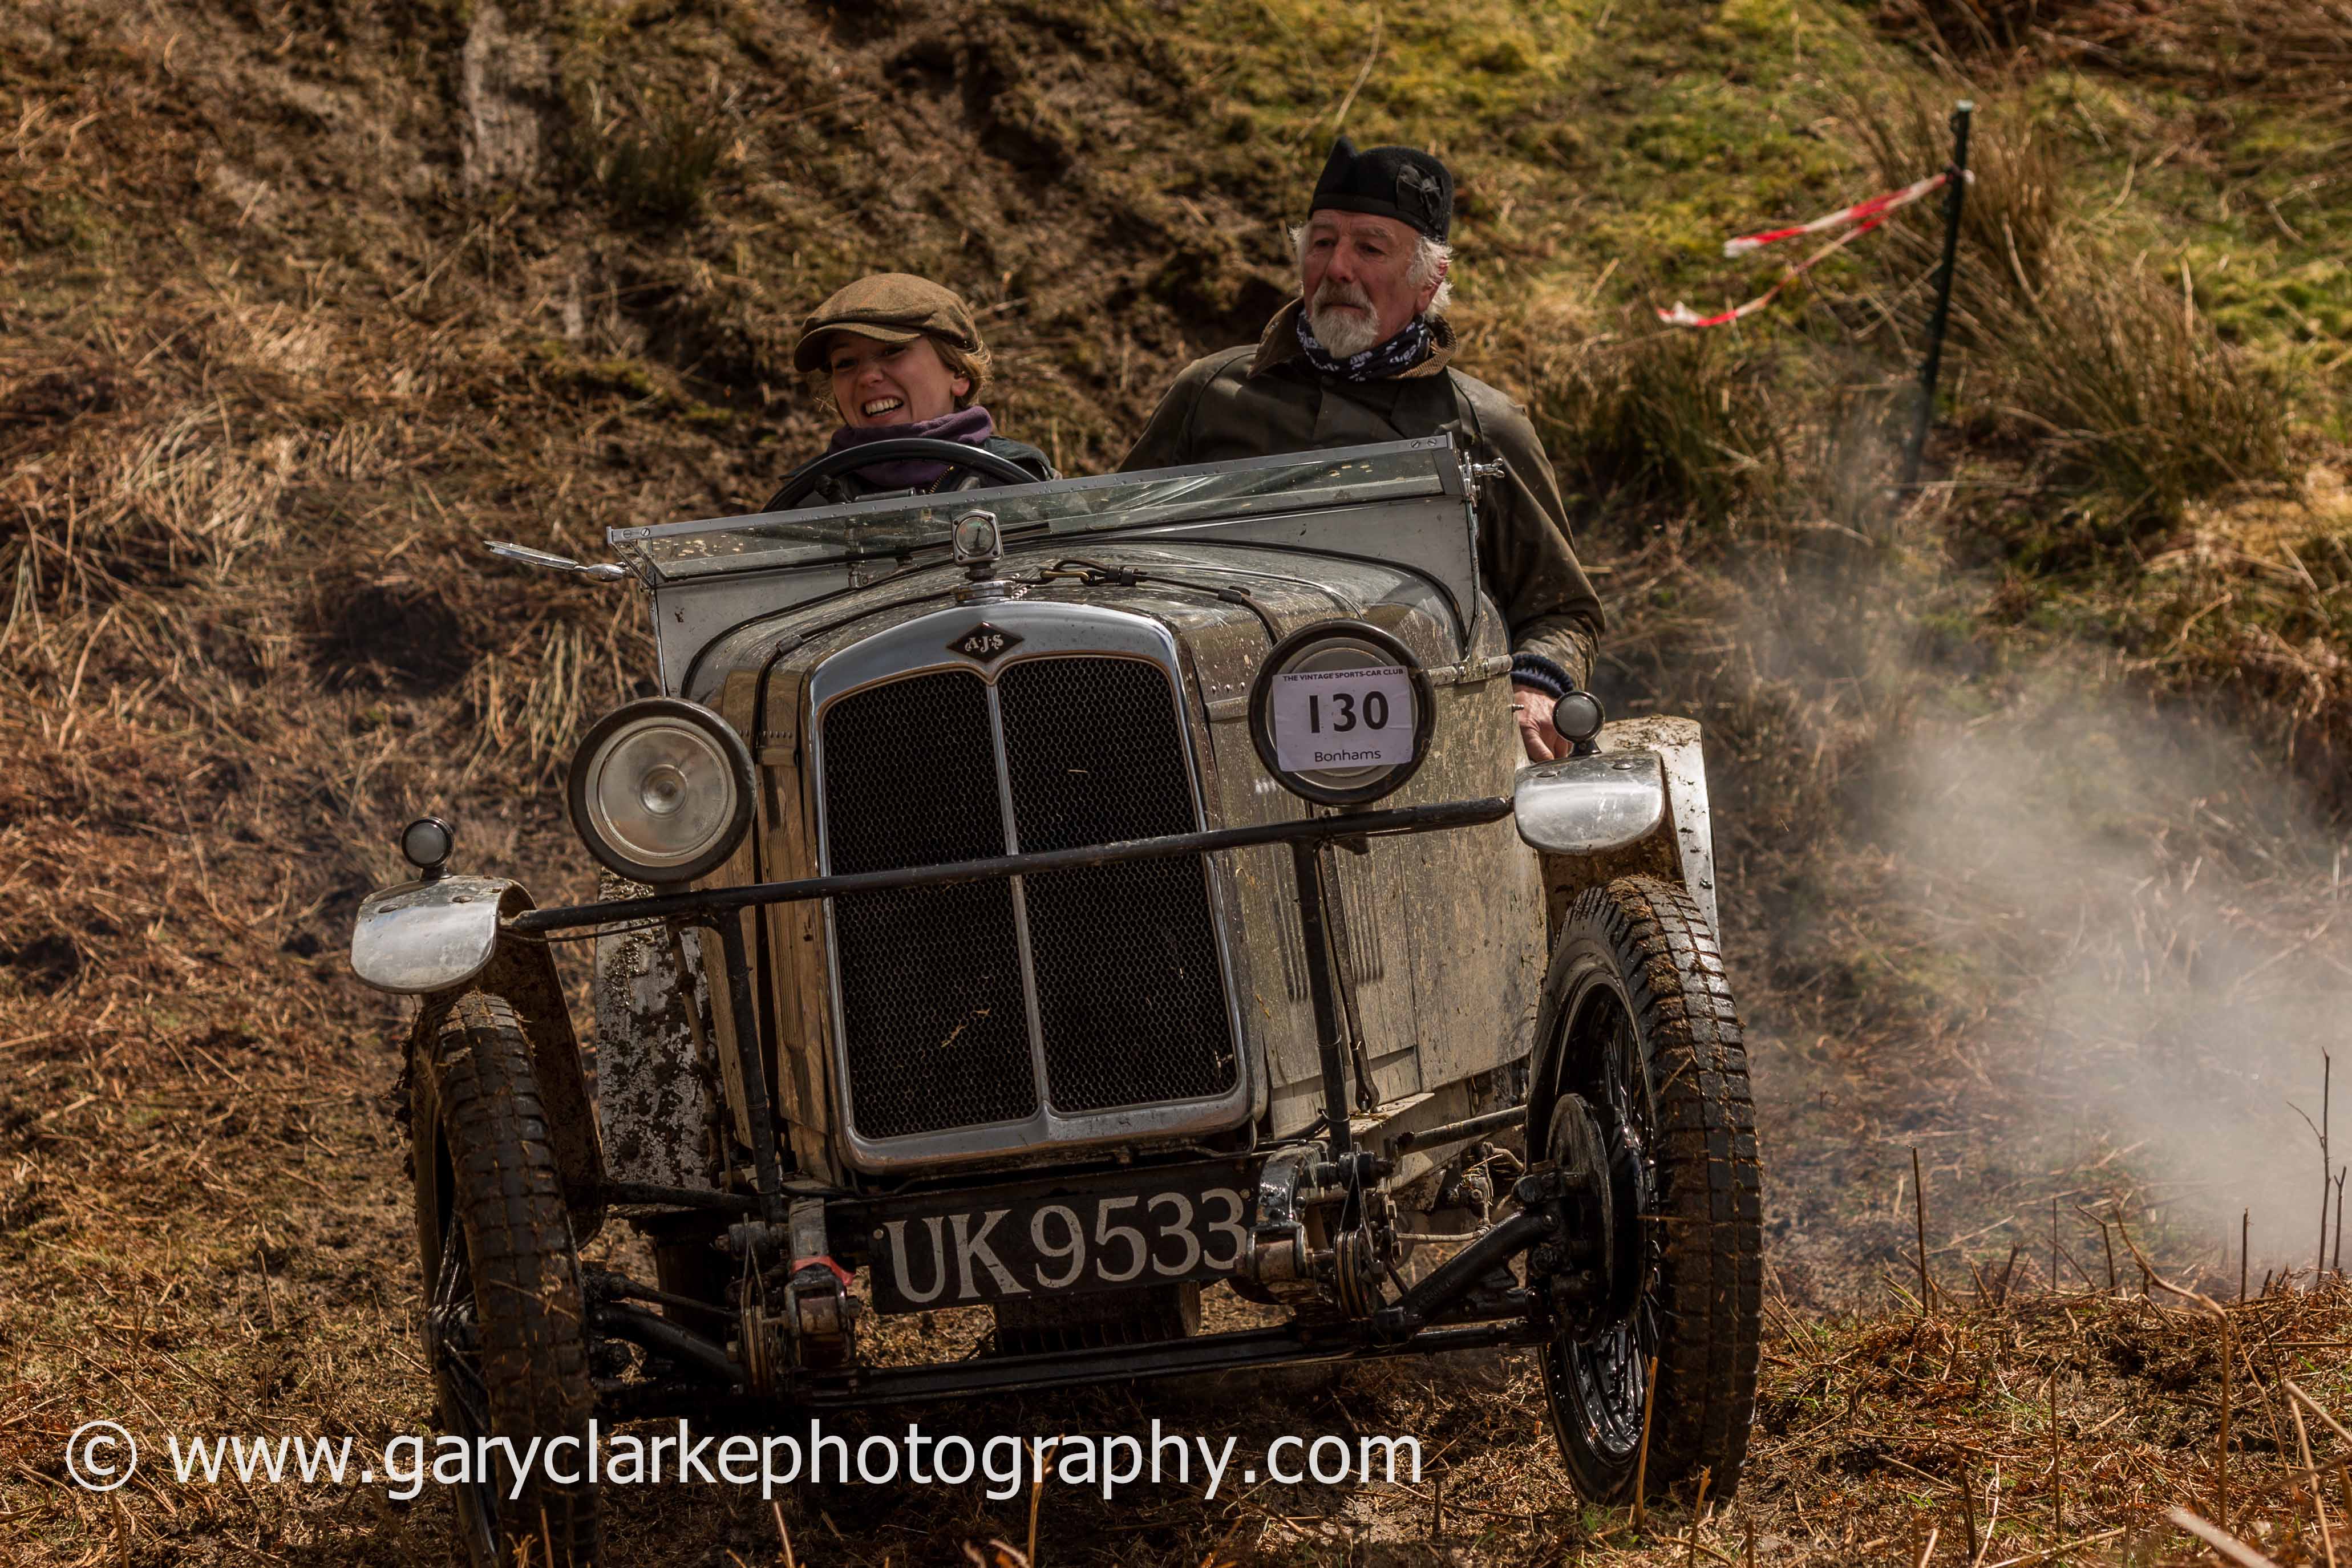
x,y
2135,395
657,165
1659,424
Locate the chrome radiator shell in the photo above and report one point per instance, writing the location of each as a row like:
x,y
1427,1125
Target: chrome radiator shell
x,y
928,1069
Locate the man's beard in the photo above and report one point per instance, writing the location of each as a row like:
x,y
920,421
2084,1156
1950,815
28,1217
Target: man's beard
x,y
1343,333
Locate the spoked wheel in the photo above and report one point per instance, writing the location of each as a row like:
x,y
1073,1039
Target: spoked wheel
x,y
1642,1029
453,1349
504,1332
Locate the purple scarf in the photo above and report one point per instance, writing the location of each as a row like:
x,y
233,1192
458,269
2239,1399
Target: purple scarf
x,y
972,426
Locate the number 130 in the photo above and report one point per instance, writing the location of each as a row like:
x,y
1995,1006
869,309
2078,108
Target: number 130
x,y
1376,711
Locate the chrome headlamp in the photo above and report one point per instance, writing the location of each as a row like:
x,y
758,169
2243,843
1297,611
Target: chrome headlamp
x,y
1340,712
661,790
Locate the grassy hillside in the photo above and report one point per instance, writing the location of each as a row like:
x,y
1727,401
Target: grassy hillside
x,y
2028,785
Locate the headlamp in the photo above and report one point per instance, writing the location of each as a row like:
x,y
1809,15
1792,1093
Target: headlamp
x,y
1340,712
661,790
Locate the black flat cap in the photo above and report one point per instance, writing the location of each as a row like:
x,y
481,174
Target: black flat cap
x,y
1400,183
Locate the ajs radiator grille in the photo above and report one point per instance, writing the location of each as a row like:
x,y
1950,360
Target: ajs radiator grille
x,y
931,978
1122,960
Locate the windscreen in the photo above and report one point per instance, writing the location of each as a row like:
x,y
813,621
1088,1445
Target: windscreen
x,y
909,526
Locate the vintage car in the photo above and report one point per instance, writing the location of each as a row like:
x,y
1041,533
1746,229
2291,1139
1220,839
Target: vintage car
x,y
1054,900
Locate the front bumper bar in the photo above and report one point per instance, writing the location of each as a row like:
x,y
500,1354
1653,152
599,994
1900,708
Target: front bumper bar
x,y
1308,830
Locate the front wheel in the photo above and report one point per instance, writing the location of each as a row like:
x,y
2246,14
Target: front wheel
x,y
504,1333
1644,1030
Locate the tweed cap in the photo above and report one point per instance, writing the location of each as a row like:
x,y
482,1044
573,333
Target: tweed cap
x,y
894,308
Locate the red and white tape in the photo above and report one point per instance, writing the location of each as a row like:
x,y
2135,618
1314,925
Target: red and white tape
x,y
1877,207
1864,215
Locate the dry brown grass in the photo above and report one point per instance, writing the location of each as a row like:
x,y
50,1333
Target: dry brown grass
x,y
2121,379
270,369
2017,205
1964,28
1655,424
2291,49
163,1280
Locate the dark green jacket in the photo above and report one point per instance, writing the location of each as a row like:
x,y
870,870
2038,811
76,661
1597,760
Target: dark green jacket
x,y
1248,402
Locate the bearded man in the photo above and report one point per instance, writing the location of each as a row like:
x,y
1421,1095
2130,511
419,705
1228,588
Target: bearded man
x,y
1363,356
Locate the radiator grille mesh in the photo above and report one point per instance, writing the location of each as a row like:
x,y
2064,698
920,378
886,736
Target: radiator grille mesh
x,y
1129,994
930,978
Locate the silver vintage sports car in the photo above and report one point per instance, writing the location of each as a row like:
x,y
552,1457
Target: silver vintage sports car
x,y
1058,900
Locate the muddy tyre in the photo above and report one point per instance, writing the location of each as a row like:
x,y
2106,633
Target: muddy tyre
x,y
504,1332
1638,1021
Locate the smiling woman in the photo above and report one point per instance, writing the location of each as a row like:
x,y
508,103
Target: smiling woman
x,y
899,356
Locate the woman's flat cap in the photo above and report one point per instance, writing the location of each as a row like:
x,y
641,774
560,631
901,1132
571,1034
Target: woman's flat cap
x,y
893,307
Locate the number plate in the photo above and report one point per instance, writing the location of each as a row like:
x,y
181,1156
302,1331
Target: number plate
x,y
1134,1228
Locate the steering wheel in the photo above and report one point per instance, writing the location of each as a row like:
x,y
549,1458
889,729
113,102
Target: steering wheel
x,y
906,448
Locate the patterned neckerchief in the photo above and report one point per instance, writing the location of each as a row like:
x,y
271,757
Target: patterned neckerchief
x,y
1399,353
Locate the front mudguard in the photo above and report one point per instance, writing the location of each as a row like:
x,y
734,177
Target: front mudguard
x,y
438,940
422,937
1638,805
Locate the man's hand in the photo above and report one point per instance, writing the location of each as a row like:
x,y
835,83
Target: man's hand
x,y
1532,708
